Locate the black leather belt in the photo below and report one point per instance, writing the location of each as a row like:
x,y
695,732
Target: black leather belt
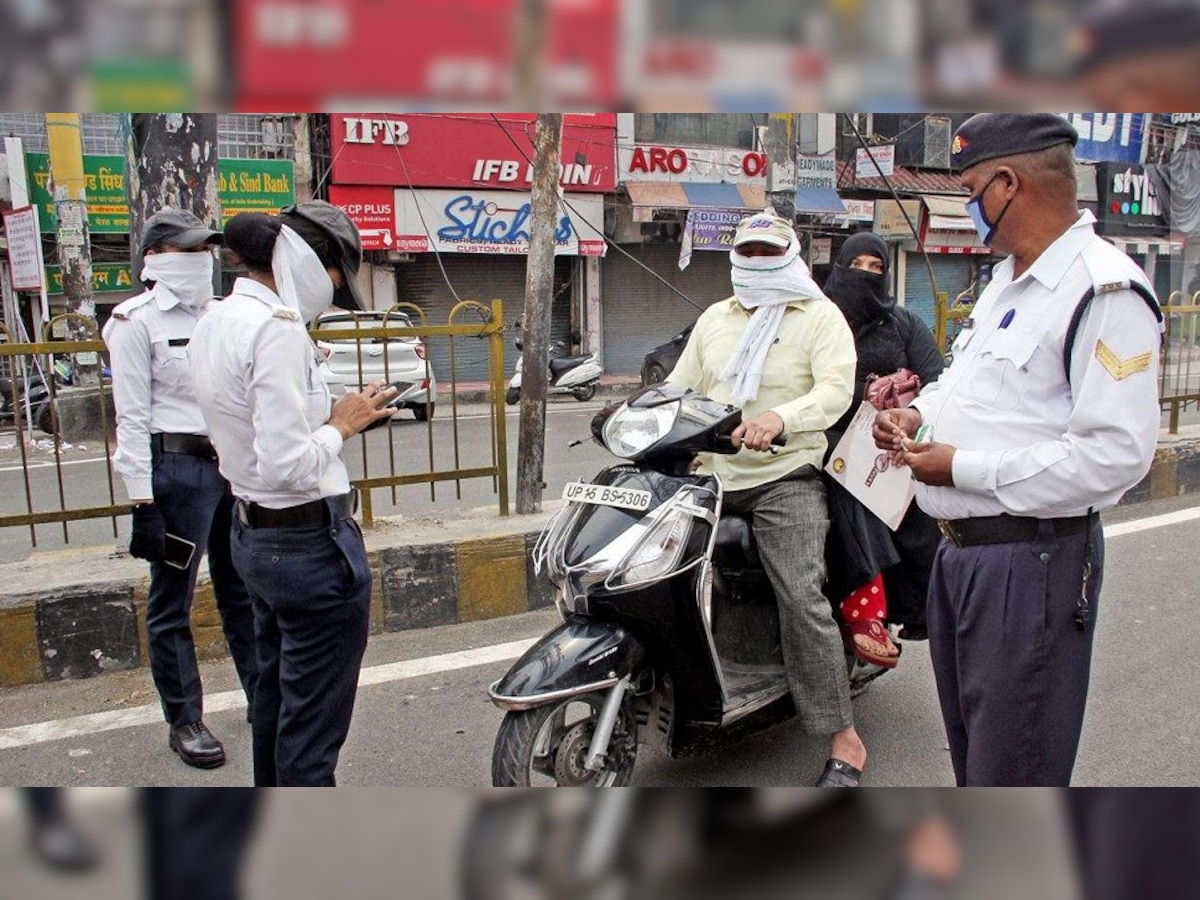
x,y
191,444
306,515
1004,529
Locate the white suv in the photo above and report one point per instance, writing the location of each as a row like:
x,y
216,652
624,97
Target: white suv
x,y
355,362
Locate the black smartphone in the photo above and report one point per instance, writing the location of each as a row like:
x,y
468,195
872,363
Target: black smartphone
x,y
178,553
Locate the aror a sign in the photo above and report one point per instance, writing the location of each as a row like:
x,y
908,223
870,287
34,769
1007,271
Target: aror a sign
x,y
652,162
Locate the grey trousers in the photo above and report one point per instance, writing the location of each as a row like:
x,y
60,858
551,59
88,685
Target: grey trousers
x,y
790,521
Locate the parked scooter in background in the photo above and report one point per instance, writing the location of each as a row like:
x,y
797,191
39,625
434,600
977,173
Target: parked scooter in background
x,y
576,375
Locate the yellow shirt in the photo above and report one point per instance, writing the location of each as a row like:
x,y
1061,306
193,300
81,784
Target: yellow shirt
x,y
808,379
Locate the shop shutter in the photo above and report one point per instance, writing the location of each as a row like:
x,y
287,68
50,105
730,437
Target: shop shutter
x,y
640,312
953,273
482,277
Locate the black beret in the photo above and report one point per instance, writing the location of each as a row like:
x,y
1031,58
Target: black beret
x,y
1134,29
992,135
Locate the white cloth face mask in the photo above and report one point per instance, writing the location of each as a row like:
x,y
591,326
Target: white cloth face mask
x,y
188,276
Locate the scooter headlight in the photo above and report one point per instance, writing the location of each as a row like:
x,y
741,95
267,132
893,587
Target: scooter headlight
x,y
657,553
630,431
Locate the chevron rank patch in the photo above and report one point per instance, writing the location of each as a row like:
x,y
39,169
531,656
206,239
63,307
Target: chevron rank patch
x,y
1118,368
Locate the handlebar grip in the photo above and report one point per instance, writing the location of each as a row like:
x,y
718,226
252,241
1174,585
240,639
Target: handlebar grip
x,y
780,440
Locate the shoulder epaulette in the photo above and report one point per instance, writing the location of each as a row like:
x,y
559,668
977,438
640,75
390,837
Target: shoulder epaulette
x,y
284,312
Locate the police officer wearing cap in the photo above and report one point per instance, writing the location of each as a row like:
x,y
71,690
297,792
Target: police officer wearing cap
x,y
182,505
279,437
1048,414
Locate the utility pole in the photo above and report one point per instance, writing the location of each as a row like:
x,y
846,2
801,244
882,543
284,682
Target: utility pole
x,y
171,160
529,55
539,287
64,137
779,143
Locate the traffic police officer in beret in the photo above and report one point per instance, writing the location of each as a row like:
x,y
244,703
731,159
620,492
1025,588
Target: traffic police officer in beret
x,y
170,472
280,439
1048,414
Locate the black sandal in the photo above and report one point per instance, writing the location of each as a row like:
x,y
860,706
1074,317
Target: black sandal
x,y
839,774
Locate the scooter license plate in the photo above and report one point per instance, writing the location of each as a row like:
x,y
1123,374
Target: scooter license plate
x,y
603,495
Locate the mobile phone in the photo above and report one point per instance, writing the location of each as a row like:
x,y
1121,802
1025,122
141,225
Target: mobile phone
x,y
178,552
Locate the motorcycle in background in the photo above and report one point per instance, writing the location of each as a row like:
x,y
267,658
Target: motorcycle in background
x,y
575,375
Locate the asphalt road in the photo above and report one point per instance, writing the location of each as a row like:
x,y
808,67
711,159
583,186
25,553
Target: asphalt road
x,y
86,481
423,718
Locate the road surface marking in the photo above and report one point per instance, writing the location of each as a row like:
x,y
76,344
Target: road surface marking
x,y
77,726
50,464
113,720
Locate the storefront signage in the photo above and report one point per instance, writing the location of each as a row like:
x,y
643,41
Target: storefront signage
x,y
816,171
652,162
469,150
244,185
107,278
1109,137
859,210
821,252
884,156
1127,200
491,222
712,229
890,221
254,185
373,211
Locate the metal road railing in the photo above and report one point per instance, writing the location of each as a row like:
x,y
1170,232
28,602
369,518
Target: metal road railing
x,y
28,502
1179,376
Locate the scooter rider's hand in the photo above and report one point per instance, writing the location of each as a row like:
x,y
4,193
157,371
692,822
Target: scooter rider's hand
x,y
757,433
354,412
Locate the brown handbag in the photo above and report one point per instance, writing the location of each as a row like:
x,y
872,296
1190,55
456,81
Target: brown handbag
x,y
892,391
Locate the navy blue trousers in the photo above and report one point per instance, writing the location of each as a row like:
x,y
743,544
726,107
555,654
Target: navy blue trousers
x,y
196,841
196,504
312,599
1136,842
1011,665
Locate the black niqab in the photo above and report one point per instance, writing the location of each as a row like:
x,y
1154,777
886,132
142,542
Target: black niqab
x,y
861,296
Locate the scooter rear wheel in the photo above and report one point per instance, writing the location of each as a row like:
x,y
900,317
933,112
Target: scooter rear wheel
x,y
585,392
512,396
547,746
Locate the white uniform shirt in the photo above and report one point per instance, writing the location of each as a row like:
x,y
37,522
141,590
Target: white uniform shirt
x,y
1028,443
147,338
265,402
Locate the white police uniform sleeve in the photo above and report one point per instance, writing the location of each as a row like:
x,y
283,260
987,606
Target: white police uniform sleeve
x,y
129,354
1112,430
290,455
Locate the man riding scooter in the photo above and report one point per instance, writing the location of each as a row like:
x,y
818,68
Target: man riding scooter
x,y
781,350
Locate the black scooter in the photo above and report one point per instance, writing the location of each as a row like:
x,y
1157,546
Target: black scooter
x,y
15,393
671,629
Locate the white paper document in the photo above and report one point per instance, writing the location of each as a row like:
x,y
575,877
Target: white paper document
x,y
867,472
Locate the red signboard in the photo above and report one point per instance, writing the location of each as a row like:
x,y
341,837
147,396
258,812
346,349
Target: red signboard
x,y
458,50
373,211
476,150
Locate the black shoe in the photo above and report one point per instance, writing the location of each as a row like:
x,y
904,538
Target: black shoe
x,y
196,746
62,846
839,774
913,633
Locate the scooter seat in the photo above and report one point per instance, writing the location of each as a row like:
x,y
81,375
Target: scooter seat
x,y
563,363
736,547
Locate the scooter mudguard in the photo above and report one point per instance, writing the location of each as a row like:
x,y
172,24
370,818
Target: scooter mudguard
x,y
579,657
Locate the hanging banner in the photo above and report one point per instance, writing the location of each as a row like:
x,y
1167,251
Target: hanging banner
x,y
372,210
24,248
885,156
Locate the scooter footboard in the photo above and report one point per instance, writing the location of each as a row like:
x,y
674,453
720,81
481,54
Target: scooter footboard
x,y
581,656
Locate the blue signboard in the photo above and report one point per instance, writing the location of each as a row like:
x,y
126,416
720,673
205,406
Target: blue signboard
x,y
1109,137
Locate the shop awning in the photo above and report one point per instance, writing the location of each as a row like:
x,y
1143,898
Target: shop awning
x,y
647,196
819,201
947,213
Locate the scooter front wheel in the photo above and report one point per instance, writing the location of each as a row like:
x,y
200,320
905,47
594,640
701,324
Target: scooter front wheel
x,y
548,745
512,396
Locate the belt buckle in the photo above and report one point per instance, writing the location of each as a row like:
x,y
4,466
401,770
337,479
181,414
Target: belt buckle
x,y
949,533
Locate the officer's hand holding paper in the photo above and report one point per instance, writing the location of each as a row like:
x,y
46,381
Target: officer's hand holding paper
x,y
870,474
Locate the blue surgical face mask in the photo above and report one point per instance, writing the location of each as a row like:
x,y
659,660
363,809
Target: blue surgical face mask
x,y
986,229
